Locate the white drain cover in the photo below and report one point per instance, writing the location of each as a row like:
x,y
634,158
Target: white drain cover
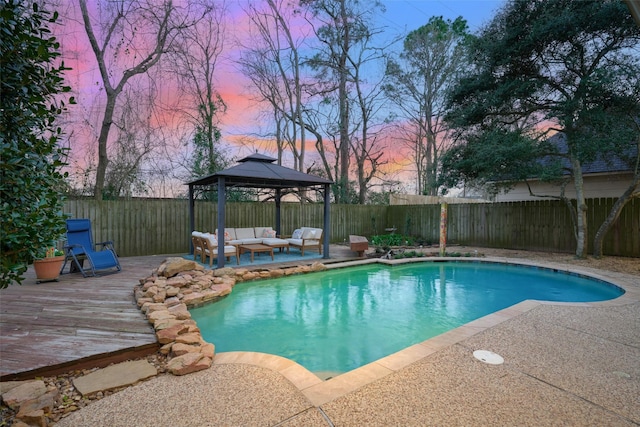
x,y
489,357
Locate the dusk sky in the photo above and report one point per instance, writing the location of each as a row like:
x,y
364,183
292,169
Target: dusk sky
x,y
401,17
243,121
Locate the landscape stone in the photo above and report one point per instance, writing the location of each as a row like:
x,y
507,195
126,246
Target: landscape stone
x,y
225,271
154,306
179,349
188,363
208,350
221,289
172,291
29,390
174,265
5,386
170,334
44,402
178,282
119,375
159,315
143,301
160,296
193,298
277,273
171,301
189,338
166,323
181,313
34,418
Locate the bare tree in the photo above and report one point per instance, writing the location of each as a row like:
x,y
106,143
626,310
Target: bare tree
x,y
343,30
193,60
366,147
136,139
133,35
272,61
417,84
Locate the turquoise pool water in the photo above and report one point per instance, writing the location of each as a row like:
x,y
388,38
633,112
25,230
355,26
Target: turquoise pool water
x,y
338,320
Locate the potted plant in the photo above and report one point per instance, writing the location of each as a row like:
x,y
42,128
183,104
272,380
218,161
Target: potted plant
x,y
48,268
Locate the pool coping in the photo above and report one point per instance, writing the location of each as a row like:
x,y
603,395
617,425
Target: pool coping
x,y
319,391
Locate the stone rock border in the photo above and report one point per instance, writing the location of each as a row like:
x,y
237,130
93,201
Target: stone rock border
x,y
177,284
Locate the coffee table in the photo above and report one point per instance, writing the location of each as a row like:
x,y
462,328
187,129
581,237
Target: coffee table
x,y
255,248
280,246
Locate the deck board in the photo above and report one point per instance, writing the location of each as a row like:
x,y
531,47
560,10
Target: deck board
x,y
46,326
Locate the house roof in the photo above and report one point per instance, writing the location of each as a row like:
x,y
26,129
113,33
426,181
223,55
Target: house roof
x,y
260,171
609,163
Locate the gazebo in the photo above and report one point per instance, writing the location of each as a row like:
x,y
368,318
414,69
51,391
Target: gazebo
x,y
259,171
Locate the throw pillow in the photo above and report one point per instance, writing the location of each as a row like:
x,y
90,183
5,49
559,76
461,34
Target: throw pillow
x,y
297,234
269,234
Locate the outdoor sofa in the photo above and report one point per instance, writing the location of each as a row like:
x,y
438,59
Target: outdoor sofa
x,y
253,236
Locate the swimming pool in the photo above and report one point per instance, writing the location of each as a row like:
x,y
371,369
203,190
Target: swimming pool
x,y
338,320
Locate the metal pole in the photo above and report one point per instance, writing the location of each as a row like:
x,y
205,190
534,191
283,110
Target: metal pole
x,y
327,221
278,197
221,221
192,218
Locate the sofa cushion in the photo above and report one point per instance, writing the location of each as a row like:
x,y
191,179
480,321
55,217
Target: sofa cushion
x,y
273,241
297,234
245,233
259,231
228,250
254,241
311,233
211,239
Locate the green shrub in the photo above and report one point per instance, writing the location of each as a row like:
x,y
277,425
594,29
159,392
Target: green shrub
x,y
31,179
389,240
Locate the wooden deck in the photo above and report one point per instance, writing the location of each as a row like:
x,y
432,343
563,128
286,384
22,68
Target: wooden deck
x,y
77,322
54,327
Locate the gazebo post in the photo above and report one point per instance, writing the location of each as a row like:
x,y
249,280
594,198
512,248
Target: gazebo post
x,y
327,221
278,197
221,220
192,218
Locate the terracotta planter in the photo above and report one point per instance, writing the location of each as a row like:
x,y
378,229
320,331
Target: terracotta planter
x,y
48,269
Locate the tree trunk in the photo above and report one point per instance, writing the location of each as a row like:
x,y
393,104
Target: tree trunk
x,y
103,138
344,103
581,210
629,194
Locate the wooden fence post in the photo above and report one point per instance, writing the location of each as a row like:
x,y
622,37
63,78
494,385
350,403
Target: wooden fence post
x,y
443,229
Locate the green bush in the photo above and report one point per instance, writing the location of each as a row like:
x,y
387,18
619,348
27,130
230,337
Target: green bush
x,y
388,240
31,181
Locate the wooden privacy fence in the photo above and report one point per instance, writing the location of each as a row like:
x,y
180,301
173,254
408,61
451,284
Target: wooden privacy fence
x,y
161,226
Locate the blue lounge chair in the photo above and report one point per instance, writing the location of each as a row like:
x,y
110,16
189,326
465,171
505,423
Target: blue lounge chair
x,y
80,247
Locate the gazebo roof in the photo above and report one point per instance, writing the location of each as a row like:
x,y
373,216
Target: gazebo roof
x,y
259,171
